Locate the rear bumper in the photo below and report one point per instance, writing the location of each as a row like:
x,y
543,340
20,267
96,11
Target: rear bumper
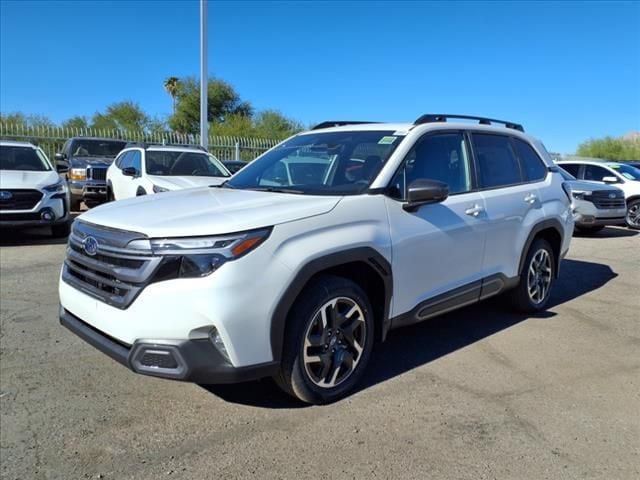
x,y
187,360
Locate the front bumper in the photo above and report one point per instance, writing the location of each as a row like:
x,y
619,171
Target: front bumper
x,y
188,360
88,189
582,220
27,219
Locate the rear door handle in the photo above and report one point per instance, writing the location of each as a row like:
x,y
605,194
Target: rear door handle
x,y
475,210
531,198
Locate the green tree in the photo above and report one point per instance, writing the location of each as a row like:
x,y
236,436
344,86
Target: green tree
x,y
273,124
223,101
13,118
611,148
172,86
125,115
76,122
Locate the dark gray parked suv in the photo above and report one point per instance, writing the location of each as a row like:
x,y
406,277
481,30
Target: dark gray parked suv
x,y
88,159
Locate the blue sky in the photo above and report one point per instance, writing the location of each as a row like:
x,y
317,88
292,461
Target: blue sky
x,y
567,70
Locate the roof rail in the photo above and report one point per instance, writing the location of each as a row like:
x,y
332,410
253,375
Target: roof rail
x,y
442,117
146,145
338,123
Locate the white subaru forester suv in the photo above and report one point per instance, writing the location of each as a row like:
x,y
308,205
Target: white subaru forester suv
x,y
298,263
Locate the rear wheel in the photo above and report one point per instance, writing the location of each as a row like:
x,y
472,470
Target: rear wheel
x,y
633,214
536,279
328,341
593,229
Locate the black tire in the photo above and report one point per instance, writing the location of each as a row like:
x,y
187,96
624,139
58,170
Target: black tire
x,y
594,229
74,205
296,376
110,196
61,231
633,214
140,192
521,299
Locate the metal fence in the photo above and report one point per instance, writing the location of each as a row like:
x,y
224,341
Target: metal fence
x,y
51,139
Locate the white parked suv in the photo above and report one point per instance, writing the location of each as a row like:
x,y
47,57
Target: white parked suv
x,y
621,175
32,194
300,261
141,169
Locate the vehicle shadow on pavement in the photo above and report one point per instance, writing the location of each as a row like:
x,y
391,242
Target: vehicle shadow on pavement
x,y
608,232
30,236
411,347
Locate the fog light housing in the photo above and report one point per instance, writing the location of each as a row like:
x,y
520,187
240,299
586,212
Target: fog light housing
x,y
216,339
47,215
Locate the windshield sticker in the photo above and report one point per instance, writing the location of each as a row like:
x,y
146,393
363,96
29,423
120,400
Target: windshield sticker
x,y
387,140
614,166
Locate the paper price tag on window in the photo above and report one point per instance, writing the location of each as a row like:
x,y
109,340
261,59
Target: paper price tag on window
x,y
387,140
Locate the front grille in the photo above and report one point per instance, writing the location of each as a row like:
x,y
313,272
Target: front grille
x,y
20,199
97,173
20,217
114,274
603,200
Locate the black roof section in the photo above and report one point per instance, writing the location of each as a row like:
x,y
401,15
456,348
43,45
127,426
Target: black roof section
x,y
443,117
338,123
146,145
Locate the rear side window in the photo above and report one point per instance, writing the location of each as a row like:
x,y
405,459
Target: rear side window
x,y
534,168
572,168
497,162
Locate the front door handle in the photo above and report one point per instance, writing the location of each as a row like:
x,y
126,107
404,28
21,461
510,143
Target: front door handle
x,y
531,198
475,210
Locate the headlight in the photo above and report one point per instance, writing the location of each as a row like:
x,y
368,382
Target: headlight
x,y
78,173
191,257
580,194
157,189
59,187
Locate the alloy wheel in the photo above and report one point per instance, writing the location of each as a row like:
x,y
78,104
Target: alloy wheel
x,y
334,341
539,276
633,215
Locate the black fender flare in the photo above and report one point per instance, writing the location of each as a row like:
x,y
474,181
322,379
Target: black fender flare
x,y
538,227
367,255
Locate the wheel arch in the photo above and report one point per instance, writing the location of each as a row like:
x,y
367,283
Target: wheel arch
x,y
140,191
364,266
551,230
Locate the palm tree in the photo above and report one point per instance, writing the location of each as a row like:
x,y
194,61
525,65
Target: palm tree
x,y
172,85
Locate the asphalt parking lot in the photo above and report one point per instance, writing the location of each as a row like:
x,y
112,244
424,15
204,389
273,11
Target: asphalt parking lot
x,y
478,393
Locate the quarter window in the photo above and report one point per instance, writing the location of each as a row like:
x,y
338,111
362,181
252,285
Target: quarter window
x,y
533,167
441,157
497,163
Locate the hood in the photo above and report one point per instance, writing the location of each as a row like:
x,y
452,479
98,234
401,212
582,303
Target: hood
x,y
207,211
27,179
584,185
178,183
79,162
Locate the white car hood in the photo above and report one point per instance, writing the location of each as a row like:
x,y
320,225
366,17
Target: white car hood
x,y
27,179
177,183
207,211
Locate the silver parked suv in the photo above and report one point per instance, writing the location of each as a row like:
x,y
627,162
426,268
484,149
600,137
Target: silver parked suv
x,y
294,266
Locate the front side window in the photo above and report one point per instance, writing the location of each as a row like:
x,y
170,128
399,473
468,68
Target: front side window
x,y
596,173
22,159
135,160
497,162
534,168
441,157
165,162
324,163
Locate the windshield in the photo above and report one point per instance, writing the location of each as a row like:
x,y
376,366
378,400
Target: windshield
x,y
330,163
23,158
627,171
174,163
96,148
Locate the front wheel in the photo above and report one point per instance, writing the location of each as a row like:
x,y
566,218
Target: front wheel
x,y
633,215
536,279
328,341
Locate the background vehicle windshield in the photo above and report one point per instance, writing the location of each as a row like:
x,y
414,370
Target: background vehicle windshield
x,y
96,148
627,171
331,163
183,163
22,158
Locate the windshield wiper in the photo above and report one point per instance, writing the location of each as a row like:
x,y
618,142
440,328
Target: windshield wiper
x,y
276,190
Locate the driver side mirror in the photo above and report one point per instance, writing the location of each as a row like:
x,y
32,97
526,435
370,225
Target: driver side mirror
x,y
130,172
62,167
60,156
610,179
423,192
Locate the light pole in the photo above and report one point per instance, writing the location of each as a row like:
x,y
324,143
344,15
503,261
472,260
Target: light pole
x,y
204,76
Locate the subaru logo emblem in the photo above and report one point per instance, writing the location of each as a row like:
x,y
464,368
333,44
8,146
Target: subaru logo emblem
x,y
612,195
4,195
90,246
